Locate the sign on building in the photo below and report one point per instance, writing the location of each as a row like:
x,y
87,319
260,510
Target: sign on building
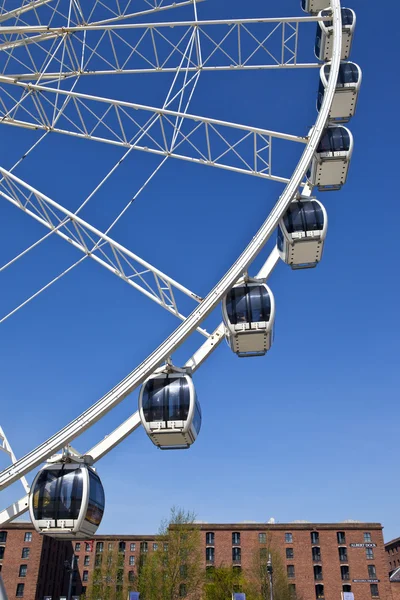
x,y
347,596
133,596
238,596
366,545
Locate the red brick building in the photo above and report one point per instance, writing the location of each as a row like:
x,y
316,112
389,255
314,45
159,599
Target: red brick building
x,y
393,565
322,560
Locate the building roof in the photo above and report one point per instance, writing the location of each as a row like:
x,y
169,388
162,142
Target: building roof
x,y
394,542
395,576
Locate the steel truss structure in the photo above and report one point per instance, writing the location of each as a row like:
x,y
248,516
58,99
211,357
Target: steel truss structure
x,y
168,132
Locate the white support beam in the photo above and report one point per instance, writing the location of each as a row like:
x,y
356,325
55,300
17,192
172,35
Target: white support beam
x,y
17,12
5,447
117,259
201,140
226,45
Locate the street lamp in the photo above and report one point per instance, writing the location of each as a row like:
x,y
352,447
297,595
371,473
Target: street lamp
x,y
270,571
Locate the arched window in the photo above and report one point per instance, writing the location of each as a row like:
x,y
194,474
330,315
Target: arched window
x,y
319,591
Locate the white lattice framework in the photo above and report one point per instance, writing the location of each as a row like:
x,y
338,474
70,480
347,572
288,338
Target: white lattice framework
x,y
45,52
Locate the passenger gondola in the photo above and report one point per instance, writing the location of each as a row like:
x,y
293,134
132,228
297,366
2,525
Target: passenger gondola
x,y
346,94
67,500
169,409
324,37
314,6
249,313
302,232
329,167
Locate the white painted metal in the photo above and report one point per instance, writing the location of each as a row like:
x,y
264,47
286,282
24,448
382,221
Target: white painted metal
x,y
346,96
328,170
84,526
250,338
17,12
95,412
302,249
314,6
172,433
201,141
245,44
325,34
5,447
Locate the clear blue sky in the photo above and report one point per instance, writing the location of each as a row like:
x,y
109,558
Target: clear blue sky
x,y
308,432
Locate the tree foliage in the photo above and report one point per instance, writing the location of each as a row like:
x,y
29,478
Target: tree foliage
x,y
258,575
109,581
174,570
222,581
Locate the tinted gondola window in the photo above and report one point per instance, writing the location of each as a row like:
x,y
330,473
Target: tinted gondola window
x,y
197,417
335,139
179,399
280,239
348,73
303,4
321,93
58,494
347,17
317,48
248,304
304,216
166,399
95,508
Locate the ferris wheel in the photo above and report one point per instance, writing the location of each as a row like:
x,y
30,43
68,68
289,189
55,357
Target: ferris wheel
x,y
51,54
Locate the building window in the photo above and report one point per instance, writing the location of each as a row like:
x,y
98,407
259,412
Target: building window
x,y
374,590
236,554
165,546
210,538
131,561
83,590
133,547
263,553
314,537
344,570
99,547
120,575
25,552
88,547
343,554
155,547
235,538
110,546
289,553
85,576
288,538
371,572
86,561
28,536
341,537
210,555
143,547
210,571
2,550
77,547
22,570
292,590
316,554
3,537
182,590
290,571
347,587
319,591
20,590
97,561
121,547
369,553
318,573
131,576
262,538
367,537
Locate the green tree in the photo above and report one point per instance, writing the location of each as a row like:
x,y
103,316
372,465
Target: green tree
x,y
222,581
258,575
174,570
109,580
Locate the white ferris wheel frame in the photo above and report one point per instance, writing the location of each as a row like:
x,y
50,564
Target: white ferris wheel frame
x,y
21,467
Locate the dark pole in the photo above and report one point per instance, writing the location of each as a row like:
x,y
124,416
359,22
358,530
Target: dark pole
x,y
270,572
70,568
3,593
